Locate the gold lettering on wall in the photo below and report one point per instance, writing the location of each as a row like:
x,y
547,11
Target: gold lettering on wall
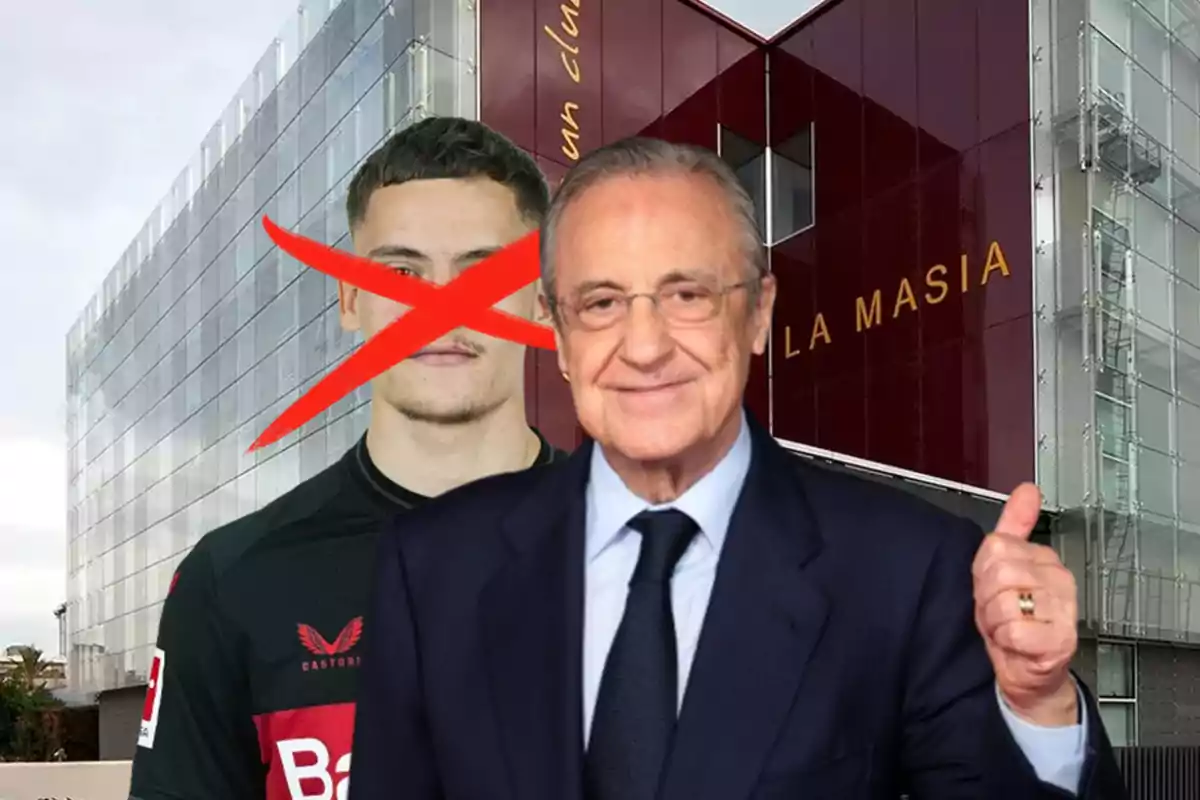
x,y
566,36
868,309
904,298
820,331
788,352
995,260
570,133
932,283
864,318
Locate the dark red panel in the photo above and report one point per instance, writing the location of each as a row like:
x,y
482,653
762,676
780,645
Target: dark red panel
x,y
633,66
793,389
792,104
797,43
758,390
941,249
689,54
553,170
507,86
732,47
1004,73
841,414
568,79
837,43
1004,272
908,204
844,300
947,72
531,386
1009,389
742,96
889,54
838,149
837,90
890,91
954,411
794,266
694,121
890,267
555,409
894,418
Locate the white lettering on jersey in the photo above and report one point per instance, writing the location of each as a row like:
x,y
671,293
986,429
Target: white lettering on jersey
x,y
153,700
314,772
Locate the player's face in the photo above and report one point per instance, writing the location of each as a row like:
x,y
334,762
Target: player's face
x,y
436,229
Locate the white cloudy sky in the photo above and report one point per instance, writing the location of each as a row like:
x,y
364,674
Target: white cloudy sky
x,y
102,104
764,17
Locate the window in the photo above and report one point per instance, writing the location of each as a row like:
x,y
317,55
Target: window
x,y
1111,17
1116,690
748,160
792,186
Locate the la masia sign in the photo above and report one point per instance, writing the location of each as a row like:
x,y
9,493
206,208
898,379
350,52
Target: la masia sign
x,y
869,309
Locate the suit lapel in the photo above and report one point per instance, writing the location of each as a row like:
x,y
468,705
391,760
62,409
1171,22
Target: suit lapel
x,y
532,615
763,622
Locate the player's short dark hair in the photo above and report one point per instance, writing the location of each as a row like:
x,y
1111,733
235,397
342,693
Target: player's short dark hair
x,y
450,147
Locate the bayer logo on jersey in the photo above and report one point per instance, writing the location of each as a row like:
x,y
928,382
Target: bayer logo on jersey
x,y
153,700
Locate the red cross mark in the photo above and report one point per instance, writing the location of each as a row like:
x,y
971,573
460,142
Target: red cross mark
x,y
434,311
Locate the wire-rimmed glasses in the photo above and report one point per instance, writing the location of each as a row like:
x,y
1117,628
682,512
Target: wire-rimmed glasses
x,y
689,302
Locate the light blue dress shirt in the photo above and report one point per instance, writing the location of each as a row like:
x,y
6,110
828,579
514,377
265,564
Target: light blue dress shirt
x,y
612,549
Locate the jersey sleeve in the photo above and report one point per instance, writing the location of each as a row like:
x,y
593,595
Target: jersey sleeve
x,y
197,739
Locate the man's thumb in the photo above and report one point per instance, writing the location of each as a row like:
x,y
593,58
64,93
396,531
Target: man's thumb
x,y
1020,513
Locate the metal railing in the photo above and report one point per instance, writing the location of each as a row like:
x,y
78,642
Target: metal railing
x,y
1160,773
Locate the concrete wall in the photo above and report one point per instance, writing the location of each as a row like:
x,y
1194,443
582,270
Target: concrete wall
x,y
120,718
1168,691
83,780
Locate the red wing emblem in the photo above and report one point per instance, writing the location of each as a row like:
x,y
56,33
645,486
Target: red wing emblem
x,y
316,644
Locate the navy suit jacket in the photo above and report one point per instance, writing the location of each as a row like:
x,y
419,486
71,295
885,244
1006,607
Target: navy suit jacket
x,y
838,658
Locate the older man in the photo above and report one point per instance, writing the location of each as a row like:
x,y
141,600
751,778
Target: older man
x,y
682,611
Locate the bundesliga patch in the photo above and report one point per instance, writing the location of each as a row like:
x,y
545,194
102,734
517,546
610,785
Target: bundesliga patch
x,y
153,699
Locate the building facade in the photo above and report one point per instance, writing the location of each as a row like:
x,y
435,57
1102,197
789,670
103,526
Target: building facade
x,y
984,218
204,331
1116,158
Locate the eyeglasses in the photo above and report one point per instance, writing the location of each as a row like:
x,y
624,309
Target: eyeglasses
x,y
683,303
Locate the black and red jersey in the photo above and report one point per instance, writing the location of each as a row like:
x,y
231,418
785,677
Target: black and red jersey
x,y
251,691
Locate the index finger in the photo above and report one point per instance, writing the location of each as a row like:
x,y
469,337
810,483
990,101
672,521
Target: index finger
x,y
1021,512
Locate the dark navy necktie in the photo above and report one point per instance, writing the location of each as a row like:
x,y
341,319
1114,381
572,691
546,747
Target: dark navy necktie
x,y
636,707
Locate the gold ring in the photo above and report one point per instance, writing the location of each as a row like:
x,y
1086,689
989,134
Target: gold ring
x,y
1025,604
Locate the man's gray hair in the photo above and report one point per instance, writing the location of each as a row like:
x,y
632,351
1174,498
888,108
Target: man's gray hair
x,y
645,156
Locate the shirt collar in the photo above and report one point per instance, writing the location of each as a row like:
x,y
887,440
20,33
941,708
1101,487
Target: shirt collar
x,y
709,501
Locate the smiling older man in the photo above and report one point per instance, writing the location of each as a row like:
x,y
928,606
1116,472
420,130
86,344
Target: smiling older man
x,y
681,610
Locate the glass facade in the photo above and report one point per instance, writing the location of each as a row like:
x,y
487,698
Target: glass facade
x,y
204,331
1116,691
1117,217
